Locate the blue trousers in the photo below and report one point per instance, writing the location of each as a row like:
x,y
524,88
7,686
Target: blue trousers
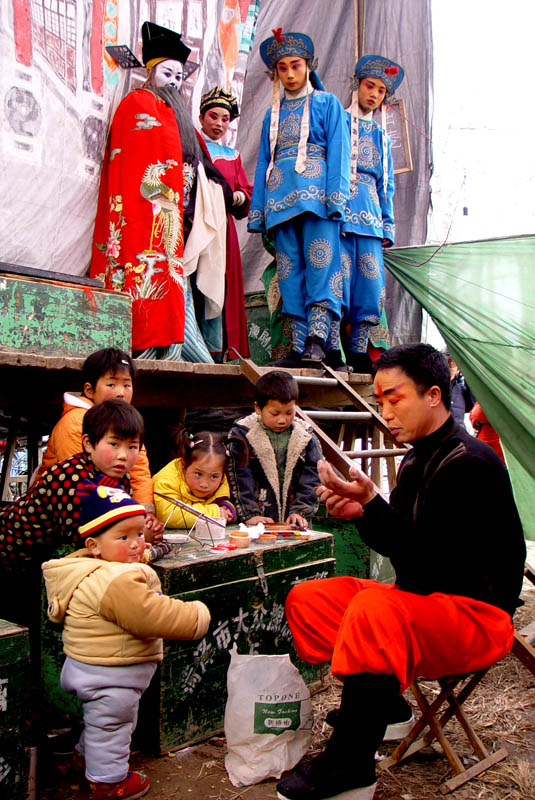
x,y
309,271
363,298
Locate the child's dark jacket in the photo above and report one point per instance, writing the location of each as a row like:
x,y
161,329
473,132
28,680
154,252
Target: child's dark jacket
x,y
256,489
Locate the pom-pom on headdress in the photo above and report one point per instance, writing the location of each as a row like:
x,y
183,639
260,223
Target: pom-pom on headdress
x,y
272,50
391,74
218,98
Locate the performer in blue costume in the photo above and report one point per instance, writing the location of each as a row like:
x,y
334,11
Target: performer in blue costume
x,y
369,223
301,188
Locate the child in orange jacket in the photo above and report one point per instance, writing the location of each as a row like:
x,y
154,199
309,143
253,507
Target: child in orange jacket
x,y
106,374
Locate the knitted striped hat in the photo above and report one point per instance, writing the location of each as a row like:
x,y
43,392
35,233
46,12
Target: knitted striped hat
x,y
104,506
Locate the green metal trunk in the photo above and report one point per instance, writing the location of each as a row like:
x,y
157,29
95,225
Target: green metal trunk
x,y
14,722
245,592
51,319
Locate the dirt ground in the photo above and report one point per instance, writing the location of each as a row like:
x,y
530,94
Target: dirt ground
x,y
502,711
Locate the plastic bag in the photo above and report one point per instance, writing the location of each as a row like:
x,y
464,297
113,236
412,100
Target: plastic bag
x,y
268,717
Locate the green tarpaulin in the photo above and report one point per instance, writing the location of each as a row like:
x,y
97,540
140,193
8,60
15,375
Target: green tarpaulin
x,y
481,296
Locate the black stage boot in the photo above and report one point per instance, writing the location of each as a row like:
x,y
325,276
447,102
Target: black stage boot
x,y
361,363
346,768
314,352
291,360
334,360
400,719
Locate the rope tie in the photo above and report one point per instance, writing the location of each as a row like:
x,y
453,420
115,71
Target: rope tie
x,y
274,124
301,160
385,149
354,163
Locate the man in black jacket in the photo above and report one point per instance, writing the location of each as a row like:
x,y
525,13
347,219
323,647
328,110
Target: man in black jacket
x,y
454,537
462,399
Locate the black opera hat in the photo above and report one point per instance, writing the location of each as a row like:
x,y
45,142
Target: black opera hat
x,y
159,42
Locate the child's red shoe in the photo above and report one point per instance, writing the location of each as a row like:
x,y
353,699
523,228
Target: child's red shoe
x,y
136,784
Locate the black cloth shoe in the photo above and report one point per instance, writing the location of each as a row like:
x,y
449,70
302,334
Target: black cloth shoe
x,y
314,352
361,363
333,359
346,769
400,719
317,781
290,361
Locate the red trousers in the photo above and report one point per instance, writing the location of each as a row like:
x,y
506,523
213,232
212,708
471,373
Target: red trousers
x,y
365,626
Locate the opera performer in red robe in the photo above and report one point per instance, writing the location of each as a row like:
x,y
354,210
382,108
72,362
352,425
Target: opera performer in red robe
x,y
218,109
154,163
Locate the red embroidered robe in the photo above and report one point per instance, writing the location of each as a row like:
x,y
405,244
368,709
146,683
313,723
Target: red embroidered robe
x,y
138,241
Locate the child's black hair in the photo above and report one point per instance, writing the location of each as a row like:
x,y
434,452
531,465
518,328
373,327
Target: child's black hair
x,y
116,416
190,447
110,359
276,385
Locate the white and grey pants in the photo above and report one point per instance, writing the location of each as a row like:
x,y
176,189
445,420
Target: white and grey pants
x,y
110,697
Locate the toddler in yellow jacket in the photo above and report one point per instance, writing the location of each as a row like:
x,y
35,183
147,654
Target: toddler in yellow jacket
x,y
114,617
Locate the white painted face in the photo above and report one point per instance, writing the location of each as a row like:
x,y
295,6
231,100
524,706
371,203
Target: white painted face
x,y
168,73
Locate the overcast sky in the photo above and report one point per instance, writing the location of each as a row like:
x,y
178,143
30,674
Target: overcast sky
x,y
484,118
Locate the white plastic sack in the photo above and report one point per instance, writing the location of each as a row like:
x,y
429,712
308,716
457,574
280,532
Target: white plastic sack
x,y
268,717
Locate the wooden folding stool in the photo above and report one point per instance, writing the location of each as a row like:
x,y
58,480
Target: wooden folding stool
x,y
454,690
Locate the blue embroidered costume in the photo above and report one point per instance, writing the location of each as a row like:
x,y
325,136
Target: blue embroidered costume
x,y
369,220
369,224
300,192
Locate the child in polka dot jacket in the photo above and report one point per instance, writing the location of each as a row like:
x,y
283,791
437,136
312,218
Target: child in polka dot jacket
x,y
33,526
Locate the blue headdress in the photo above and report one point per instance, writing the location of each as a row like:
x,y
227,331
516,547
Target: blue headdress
x,y
391,74
272,50
290,44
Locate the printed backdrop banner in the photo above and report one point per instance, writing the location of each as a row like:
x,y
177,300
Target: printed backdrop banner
x,y
59,88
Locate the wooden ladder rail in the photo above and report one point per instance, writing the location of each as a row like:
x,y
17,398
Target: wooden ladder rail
x,y
338,458
331,452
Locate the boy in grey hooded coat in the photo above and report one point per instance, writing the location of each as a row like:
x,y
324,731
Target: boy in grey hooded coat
x,y
278,483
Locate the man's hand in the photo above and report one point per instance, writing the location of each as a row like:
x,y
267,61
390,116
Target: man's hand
x,y
297,519
256,520
344,499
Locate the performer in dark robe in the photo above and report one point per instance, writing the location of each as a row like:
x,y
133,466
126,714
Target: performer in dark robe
x,y
218,109
147,196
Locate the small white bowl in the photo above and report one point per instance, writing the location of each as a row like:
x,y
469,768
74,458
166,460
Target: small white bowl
x,y
176,540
